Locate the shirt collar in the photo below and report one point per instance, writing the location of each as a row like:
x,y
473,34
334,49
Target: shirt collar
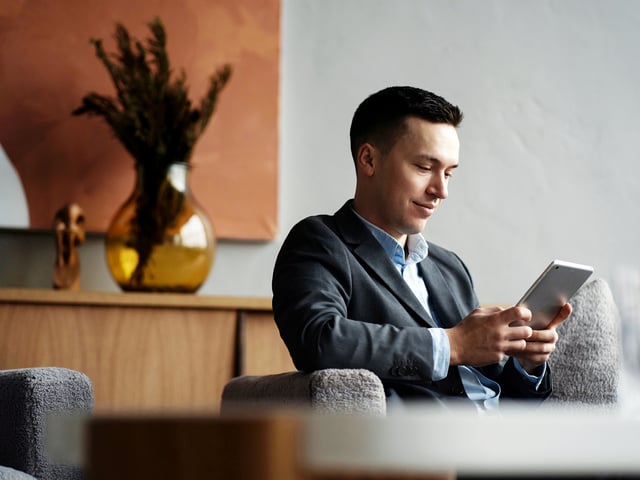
x,y
416,244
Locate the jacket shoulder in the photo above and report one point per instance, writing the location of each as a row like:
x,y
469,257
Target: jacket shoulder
x,y
445,256
312,228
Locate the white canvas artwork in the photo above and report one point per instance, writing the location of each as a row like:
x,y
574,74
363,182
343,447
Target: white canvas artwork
x,y
14,212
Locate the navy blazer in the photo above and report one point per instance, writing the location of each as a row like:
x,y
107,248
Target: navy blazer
x,y
339,302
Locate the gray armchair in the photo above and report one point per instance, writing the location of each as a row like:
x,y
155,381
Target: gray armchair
x,y
586,365
330,390
585,369
27,398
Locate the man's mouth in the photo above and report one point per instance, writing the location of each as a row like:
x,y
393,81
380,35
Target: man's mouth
x,y
427,207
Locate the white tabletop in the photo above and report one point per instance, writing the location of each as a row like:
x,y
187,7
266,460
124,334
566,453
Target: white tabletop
x,y
521,440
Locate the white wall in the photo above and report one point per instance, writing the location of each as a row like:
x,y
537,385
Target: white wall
x,y
549,164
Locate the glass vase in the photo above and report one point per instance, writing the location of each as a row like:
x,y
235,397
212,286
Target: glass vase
x,y
160,240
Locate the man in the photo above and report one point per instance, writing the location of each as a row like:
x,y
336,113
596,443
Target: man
x,y
363,289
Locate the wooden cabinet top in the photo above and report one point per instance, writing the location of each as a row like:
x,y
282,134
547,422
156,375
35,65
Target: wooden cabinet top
x,y
122,299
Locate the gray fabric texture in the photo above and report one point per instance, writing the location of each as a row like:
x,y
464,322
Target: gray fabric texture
x,y
330,390
27,397
586,364
347,391
7,473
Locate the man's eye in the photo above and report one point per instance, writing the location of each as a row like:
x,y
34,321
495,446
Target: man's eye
x,y
424,168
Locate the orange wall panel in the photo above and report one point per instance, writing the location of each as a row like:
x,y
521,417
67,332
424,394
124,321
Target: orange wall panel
x,y
47,65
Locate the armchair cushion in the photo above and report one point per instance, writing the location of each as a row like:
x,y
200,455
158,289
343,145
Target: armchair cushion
x,y
329,391
586,364
27,397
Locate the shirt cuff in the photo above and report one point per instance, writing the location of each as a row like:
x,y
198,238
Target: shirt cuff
x,y
537,380
441,353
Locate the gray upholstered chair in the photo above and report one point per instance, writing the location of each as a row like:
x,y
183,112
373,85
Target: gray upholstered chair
x,y
27,398
587,363
585,368
330,390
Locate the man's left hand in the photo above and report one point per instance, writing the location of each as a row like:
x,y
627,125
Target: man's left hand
x,y
542,343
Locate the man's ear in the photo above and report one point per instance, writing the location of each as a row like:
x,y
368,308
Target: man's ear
x,y
366,159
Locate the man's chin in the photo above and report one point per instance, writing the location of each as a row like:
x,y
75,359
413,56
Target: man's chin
x,y
417,227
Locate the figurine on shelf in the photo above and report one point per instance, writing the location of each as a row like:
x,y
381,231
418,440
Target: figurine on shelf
x,y
68,225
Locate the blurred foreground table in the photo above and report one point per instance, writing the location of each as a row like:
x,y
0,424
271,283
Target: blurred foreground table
x,y
252,447
411,444
522,441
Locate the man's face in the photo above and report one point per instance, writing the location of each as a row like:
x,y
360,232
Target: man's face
x,y
410,181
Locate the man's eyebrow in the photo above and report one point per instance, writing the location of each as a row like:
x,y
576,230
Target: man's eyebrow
x,y
429,158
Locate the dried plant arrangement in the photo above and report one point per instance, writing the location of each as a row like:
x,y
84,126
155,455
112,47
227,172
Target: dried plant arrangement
x,y
152,114
154,119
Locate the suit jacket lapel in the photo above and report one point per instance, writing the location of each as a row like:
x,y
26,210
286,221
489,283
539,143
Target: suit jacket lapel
x,y
444,304
372,255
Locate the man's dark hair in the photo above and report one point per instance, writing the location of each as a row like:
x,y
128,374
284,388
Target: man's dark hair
x,y
379,119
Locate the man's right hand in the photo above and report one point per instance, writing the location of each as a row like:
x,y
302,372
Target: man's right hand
x,y
485,337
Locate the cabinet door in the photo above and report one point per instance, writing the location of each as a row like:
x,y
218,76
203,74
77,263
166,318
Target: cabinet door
x,y
136,357
262,350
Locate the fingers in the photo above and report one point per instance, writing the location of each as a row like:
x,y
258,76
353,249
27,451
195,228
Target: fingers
x,y
512,323
539,347
543,336
515,347
489,333
535,354
523,332
563,314
516,316
505,316
488,310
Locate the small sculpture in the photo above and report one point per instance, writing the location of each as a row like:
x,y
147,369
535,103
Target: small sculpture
x,y
68,225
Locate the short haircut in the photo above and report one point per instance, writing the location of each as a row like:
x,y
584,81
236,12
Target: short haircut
x,y
379,119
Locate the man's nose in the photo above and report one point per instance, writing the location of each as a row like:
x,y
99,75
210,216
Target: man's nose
x,y
438,186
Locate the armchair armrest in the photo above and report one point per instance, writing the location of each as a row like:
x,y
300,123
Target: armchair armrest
x,y
27,397
330,391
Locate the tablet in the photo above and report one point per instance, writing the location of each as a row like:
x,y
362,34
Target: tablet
x,y
553,288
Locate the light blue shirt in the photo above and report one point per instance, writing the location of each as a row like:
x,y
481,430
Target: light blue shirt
x,y
484,392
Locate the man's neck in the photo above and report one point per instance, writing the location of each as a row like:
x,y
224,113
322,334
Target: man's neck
x,y
402,240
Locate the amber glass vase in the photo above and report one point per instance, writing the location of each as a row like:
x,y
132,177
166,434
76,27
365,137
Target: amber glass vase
x,y
160,240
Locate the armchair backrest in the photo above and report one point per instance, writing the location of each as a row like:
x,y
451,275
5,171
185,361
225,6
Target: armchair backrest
x,y
587,362
27,398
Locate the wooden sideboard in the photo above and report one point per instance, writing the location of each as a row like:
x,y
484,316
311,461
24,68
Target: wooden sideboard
x,y
142,351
